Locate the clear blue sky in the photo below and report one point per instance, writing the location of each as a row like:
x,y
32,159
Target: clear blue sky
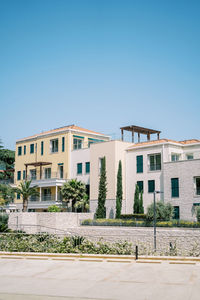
x,y
99,64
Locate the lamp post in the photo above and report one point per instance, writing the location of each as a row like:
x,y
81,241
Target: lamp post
x,y
154,216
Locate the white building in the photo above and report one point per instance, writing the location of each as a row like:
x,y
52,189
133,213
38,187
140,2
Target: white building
x,y
167,166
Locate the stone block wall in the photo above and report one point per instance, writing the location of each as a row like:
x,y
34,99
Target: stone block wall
x,y
33,222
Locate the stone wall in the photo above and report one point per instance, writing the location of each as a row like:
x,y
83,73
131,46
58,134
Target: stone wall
x,y
32,222
183,241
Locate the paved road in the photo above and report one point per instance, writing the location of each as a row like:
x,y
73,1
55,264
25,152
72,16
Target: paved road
x,y
28,279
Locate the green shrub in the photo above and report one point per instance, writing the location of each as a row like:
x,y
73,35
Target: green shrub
x,y
54,208
164,211
134,216
3,222
198,213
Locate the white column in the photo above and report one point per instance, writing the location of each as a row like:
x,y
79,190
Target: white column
x,y
40,194
56,193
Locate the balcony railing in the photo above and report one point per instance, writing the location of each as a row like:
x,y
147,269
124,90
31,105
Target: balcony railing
x,y
53,175
7,181
46,198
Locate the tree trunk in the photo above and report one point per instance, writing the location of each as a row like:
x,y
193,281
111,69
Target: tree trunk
x,y
25,205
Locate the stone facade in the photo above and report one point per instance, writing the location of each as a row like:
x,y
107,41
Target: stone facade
x,y
186,171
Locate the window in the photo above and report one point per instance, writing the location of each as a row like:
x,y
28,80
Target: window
x,y
79,168
42,148
18,196
25,150
189,156
31,148
77,142
63,144
54,146
197,183
19,150
46,194
151,186
61,171
24,175
140,185
18,175
47,173
87,167
139,161
155,162
174,187
33,174
175,156
176,213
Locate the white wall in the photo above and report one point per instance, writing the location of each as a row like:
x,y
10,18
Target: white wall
x,y
80,156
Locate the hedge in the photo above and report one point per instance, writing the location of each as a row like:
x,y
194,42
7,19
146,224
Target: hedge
x,y
133,217
134,223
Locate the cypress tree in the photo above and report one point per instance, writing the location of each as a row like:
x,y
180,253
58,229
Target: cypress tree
x,y
119,191
136,206
141,209
101,209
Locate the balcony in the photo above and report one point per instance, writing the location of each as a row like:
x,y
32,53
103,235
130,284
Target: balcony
x,y
45,198
51,179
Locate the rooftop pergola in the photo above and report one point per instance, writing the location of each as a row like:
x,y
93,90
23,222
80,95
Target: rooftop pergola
x,y
139,130
37,164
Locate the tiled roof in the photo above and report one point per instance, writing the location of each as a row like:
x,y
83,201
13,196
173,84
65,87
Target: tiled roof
x,y
72,127
155,142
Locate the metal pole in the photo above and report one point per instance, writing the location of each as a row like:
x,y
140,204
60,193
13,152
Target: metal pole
x,y
154,218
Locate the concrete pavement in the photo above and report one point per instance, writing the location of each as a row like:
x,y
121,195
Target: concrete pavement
x,y
32,279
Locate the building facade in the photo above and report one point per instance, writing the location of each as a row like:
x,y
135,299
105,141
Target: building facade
x,y
46,159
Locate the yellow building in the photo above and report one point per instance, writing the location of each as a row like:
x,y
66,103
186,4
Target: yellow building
x,y
45,159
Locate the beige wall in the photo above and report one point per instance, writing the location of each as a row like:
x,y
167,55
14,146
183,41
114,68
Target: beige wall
x,y
113,151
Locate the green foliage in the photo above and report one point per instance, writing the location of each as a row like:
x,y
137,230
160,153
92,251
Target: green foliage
x,y
141,207
54,208
164,211
101,209
7,194
139,223
134,217
136,205
26,191
3,222
74,191
119,194
7,158
198,213
83,204
54,244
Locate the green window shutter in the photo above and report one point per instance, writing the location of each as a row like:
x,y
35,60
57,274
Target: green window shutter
x,y
25,150
18,175
139,162
18,196
87,167
31,148
42,148
140,185
79,168
176,213
175,187
24,175
19,150
151,186
63,144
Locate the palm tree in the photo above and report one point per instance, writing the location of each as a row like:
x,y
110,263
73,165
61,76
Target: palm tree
x,y
26,191
83,204
74,191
